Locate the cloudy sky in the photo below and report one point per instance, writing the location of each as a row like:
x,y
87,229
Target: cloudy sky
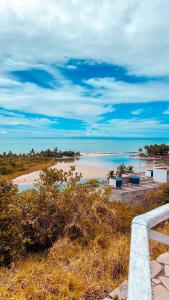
x,y
84,68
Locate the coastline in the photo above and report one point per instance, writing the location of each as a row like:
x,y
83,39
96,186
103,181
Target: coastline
x,y
88,171
99,154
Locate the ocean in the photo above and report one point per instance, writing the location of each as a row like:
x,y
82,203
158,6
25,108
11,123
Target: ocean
x,y
81,144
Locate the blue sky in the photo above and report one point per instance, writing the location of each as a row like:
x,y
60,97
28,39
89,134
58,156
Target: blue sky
x,y
84,68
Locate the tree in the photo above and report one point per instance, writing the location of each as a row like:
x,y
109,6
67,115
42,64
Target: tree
x,y
111,174
130,169
122,169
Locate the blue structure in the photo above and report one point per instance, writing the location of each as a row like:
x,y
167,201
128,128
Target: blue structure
x,y
135,179
119,182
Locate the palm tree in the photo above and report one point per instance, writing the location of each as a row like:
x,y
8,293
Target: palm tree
x,y
130,169
122,169
110,174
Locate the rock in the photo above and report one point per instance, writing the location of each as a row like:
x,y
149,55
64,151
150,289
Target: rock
x,y
160,293
155,268
165,281
166,269
121,291
163,258
156,281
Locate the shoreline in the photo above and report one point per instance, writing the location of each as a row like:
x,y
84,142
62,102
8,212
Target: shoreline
x,y
149,157
88,170
98,154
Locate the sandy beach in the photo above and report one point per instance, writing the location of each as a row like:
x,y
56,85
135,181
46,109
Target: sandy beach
x,y
98,154
87,170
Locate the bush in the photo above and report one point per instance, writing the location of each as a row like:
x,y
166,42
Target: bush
x,y
86,236
10,229
4,170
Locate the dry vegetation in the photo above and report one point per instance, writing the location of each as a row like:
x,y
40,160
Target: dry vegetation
x,y
13,165
65,242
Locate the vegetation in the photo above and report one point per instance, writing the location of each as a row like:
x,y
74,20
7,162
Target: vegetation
x,y
121,169
12,163
64,240
155,149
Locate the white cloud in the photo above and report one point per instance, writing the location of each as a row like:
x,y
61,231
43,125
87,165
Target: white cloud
x,y
14,119
131,128
130,33
79,102
137,111
124,92
37,34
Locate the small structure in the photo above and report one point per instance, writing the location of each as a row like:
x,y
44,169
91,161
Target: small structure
x,y
126,178
149,173
161,174
116,182
135,180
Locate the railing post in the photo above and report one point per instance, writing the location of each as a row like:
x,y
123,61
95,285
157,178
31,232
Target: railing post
x,y
139,284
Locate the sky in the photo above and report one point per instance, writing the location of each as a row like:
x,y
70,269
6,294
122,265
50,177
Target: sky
x,y
84,68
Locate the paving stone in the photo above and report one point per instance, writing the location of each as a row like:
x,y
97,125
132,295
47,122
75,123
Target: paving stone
x,y
115,292
160,293
163,258
165,281
166,270
155,268
156,281
121,291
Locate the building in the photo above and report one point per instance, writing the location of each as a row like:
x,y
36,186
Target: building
x,y
161,174
149,173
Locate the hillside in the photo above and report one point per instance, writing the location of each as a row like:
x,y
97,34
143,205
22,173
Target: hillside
x,y
65,242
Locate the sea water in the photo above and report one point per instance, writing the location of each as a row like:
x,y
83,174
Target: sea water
x,y
82,144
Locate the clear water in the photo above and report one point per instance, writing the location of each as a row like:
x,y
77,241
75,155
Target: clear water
x,y
76,144
113,161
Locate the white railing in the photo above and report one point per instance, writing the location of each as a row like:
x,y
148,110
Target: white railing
x,y
140,285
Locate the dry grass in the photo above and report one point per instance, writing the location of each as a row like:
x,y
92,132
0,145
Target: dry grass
x,y
32,167
90,254
68,271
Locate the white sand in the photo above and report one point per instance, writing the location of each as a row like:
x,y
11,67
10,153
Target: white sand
x,y
98,154
87,170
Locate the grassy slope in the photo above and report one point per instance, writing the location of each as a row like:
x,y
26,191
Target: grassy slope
x,y
31,167
72,271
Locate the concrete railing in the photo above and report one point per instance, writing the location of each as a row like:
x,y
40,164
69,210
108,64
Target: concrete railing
x,y
140,284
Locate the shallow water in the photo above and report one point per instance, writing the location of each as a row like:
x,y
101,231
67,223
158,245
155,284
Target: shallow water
x,y
109,162
113,161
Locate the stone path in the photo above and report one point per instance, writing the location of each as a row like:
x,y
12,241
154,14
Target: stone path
x,y
160,281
